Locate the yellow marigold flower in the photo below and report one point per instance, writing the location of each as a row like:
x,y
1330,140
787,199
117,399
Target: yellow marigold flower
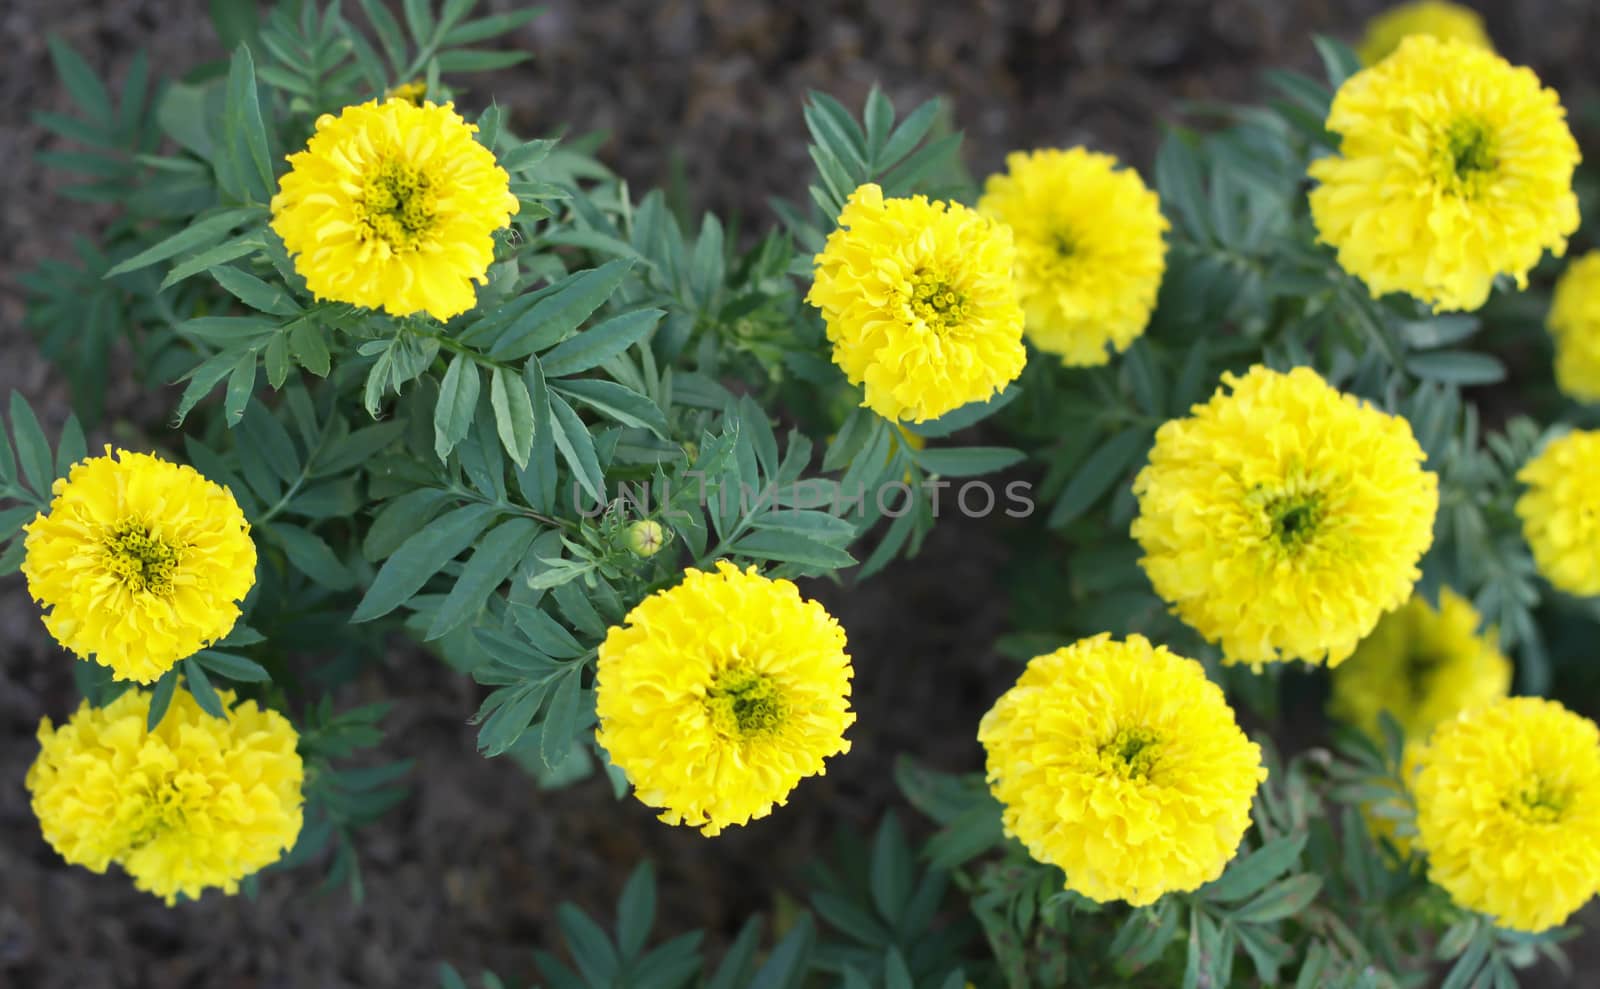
x,y
1575,325
1561,511
1422,665
200,802
1508,810
1454,166
393,206
720,694
920,304
139,563
1284,519
1434,18
1122,764
412,92
1090,250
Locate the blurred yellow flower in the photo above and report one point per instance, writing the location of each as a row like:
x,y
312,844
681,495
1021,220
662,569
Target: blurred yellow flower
x,y
1090,249
1434,18
1282,520
200,802
920,304
1560,511
1122,764
1575,325
720,694
139,563
1453,167
393,206
1508,811
1422,665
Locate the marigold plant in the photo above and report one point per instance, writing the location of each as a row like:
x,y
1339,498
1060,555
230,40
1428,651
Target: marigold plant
x,y
1245,499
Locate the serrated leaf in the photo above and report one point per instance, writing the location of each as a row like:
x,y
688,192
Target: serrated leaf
x,y
967,461
561,718
577,449
199,234
312,556
161,698
458,401
231,666
499,553
616,402
1099,471
513,413
419,558
205,695
1282,900
33,450
561,312
600,343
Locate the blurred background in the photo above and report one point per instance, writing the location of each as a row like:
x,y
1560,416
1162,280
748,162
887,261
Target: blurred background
x,y
703,98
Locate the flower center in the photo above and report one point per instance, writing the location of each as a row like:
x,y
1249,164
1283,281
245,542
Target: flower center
x,y
1419,672
1467,157
935,302
143,560
1540,803
745,704
1295,519
397,204
1064,243
1132,753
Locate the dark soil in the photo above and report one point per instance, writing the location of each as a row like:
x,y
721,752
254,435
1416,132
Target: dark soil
x,y
471,868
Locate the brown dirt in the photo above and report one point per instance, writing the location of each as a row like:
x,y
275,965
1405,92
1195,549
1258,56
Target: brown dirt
x,y
472,866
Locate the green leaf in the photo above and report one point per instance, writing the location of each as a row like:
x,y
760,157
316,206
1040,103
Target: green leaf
x,y
892,875
617,402
561,718
201,233
1340,62
577,449
909,134
458,401
636,910
161,698
236,22
312,556
420,557
1457,367
1178,182
476,60
786,966
33,450
201,690
600,343
246,243
1247,875
1283,900
81,81
792,547
241,384
254,292
308,346
233,667
967,461
513,413
1095,476
499,553
72,446
556,315
967,415
246,133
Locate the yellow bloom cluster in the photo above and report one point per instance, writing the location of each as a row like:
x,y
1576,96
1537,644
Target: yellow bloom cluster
x,y
1508,810
1560,511
1454,167
393,206
1090,249
920,304
720,694
1282,520
1434,18
200,802
139,563
1422,665
1575,325
1119,762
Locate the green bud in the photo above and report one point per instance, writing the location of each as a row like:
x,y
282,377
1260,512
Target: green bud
x,y
645,538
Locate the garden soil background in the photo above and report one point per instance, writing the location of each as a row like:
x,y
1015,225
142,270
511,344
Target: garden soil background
x,y
707,95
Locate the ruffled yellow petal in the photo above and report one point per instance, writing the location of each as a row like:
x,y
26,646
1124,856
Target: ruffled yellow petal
x,y
1560,511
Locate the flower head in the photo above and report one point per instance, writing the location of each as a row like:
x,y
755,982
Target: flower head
x,y
1434,18
1508,810
200,802
1453,167
139,563
1560,511
920,304
1422,665
1575,324
1284,519
720,694
1090,251
393,206
1122,764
